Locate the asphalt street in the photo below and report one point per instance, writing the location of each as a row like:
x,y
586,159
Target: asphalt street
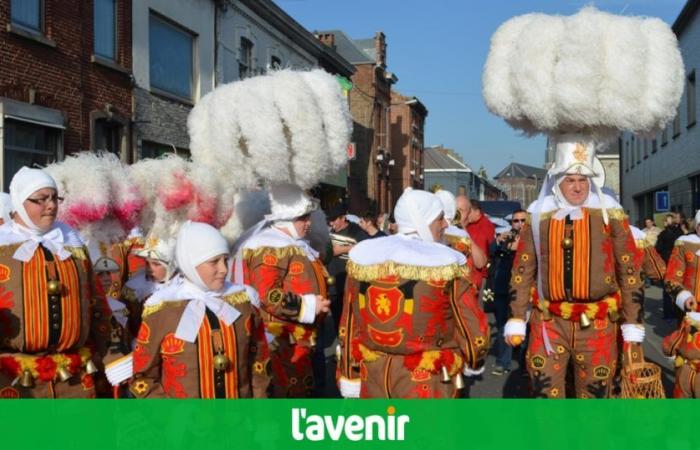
x,y
515,385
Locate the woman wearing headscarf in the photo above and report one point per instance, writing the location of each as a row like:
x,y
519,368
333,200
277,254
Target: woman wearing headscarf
x,y
411,322
49,328
202,338
291,280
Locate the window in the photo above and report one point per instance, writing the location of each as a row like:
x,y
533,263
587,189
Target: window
x,y
639,151
646,148
245,59
171,58
156,150
691,99
664,136
27,144
275,63
654,145
105,28
632,152
28,14
677,124
107,136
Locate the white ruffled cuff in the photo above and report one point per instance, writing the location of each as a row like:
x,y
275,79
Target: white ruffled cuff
x,y
515,327
308,308
469,372
681,298
632,332
349,388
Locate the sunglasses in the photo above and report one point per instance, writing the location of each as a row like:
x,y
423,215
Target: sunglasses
x,y
518,220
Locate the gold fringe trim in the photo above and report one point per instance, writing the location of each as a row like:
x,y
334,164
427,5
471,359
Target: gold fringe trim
x,y
641,243
390,268
78,252
152,309
237,298
453,240
279,252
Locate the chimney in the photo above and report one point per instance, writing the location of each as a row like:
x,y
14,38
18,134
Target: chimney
x,y
380,48
327,39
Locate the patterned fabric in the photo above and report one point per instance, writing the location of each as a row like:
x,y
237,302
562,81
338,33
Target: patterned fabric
x,y
592,353
168,367
281,276
605,261
389,322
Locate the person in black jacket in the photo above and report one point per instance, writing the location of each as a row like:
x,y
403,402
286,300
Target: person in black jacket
x,y
501,254
664,246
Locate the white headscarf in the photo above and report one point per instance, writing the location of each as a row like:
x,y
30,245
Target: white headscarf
x,y
5,206
449,204
697,218
197,243
26,182
415,211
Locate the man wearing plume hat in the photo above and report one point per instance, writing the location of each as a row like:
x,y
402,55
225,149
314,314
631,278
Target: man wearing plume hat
x,y
577,260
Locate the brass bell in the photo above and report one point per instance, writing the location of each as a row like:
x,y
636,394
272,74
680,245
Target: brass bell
x,y
90,367
27,379
338,352
445,375
567,243
312,340
330,280
584,321
459,382
64,374
221,362
54,287
614,316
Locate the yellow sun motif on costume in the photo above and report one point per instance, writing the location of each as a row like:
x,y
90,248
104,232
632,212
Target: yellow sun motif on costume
x,y
554,392
517,279
258,367
525,257
631,280
342,331
679,273
625,258
479,341
140,387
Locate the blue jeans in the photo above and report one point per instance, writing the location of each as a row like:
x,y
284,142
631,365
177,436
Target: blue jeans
x,y
504,352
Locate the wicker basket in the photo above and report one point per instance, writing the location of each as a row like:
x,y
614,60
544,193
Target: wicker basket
x,y
640,378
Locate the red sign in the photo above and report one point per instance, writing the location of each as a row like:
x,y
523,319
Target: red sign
x,y
351,151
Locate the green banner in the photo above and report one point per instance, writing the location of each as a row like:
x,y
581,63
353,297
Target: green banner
x,y
349,424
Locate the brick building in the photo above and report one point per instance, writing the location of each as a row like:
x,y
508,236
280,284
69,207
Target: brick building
x,y
521,182
407,116
65,80
369,174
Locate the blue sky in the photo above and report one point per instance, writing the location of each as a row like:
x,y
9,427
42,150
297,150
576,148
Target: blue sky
x,y
437,48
